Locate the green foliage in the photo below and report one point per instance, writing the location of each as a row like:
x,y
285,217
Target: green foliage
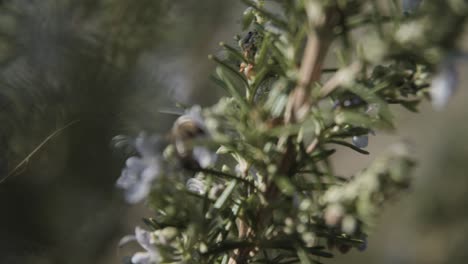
x,y
272,196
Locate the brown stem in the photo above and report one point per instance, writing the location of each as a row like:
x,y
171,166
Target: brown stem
x,y
286,166
339,78
315,51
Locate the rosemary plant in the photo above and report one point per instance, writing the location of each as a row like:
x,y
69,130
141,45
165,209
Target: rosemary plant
x,y
249,180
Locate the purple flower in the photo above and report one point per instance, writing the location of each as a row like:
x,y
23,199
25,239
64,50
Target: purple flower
x,y
145,239
205,157
363,246
409,6
140,171
444,84
361,141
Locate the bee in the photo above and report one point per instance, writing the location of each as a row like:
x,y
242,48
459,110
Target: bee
x,y
186,129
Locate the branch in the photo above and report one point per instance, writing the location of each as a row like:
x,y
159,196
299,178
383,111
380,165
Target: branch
x,y
315,52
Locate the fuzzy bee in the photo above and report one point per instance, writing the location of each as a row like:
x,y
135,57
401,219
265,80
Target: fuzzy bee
x,y
186,130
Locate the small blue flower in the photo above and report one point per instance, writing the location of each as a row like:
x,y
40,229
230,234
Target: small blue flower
x,y
146,241
363,246
361,141
140,171
444,84
205,157
410,6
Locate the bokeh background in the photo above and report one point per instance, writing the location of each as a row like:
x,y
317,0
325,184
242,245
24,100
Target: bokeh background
x,y
115,67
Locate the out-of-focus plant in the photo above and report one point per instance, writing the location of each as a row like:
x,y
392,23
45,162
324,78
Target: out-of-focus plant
x,y
248,180
63,61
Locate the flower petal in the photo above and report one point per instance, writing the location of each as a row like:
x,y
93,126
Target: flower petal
x,y
126,239
127,179
137,177
144,239
204,157
137,192
149,146
143,258
151,171
444,85
134,162
195,113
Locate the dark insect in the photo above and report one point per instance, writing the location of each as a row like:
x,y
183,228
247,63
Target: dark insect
x,y
248,45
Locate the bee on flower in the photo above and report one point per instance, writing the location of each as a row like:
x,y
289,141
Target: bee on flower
x,y
186,131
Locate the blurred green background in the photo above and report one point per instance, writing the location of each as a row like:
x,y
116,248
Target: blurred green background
x,y
112,65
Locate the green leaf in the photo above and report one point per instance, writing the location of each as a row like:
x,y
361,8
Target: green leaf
x,y
225,259
285,185
233,51
322,154
349,145
232,89
225,195
273,17
260,59
257,81
357,119
247,18
303,257
372,98
230,69
410,105
353,118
